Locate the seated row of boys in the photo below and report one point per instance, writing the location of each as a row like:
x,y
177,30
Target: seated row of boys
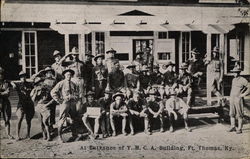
x,y
131,111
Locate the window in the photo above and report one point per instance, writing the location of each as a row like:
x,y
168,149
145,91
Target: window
x,y
162,35
99,42
122,56
215,39
186,38
236,52
30,53
88,42
164,55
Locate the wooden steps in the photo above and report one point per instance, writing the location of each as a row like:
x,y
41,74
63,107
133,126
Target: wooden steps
x,y
204,115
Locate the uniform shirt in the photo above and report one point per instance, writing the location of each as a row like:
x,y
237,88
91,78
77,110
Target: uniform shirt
x,y
194,66
185,79
116,79
170,78
153,105
156,78
144,80
88,71
214,66
105,103
176,104
239,84
138,63
79,68
99,73
42,96
122,106
136,105
4,90
63,89
147,59
131,80
58,68
109,63
23,90
49,82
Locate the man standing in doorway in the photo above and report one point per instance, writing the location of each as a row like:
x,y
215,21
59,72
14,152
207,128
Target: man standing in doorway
x,y
148,58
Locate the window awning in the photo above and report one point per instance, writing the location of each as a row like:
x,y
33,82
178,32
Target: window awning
x,y
70,28
175,27
125,27
74,28
213,28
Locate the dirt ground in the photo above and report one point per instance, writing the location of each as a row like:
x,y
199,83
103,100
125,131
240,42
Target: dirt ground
x,y
208,139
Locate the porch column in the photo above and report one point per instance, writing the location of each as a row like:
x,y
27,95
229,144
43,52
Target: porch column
x,y
208,74
81,43
66,43
93,43
155,46
222,55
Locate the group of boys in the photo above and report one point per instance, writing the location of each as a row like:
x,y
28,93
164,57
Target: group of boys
x,y
143,92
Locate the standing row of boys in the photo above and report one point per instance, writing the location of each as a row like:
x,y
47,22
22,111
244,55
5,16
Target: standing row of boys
x,y
142,93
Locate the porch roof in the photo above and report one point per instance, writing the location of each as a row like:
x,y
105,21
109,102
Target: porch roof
x,y
87,28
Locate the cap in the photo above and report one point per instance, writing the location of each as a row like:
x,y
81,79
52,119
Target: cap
x,y
99,55
56,52
111,51
68,70
118,94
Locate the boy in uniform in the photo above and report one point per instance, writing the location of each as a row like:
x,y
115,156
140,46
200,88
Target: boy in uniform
x,y
215,73
176,106
116,78
118,109
39,96
91,103
131,81
99,77
144,78
155,108
240,88
137,109
105,102
148,58
138,62
89,69
170,77
110,60
194,67
57,66
79,69
66,93
185,81
5,107
50,82
25,105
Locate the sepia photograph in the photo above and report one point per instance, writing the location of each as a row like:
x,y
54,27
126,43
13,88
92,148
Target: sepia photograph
x,y
123,79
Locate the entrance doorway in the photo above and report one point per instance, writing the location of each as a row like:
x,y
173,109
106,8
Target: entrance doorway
x,y
141,45
10,52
